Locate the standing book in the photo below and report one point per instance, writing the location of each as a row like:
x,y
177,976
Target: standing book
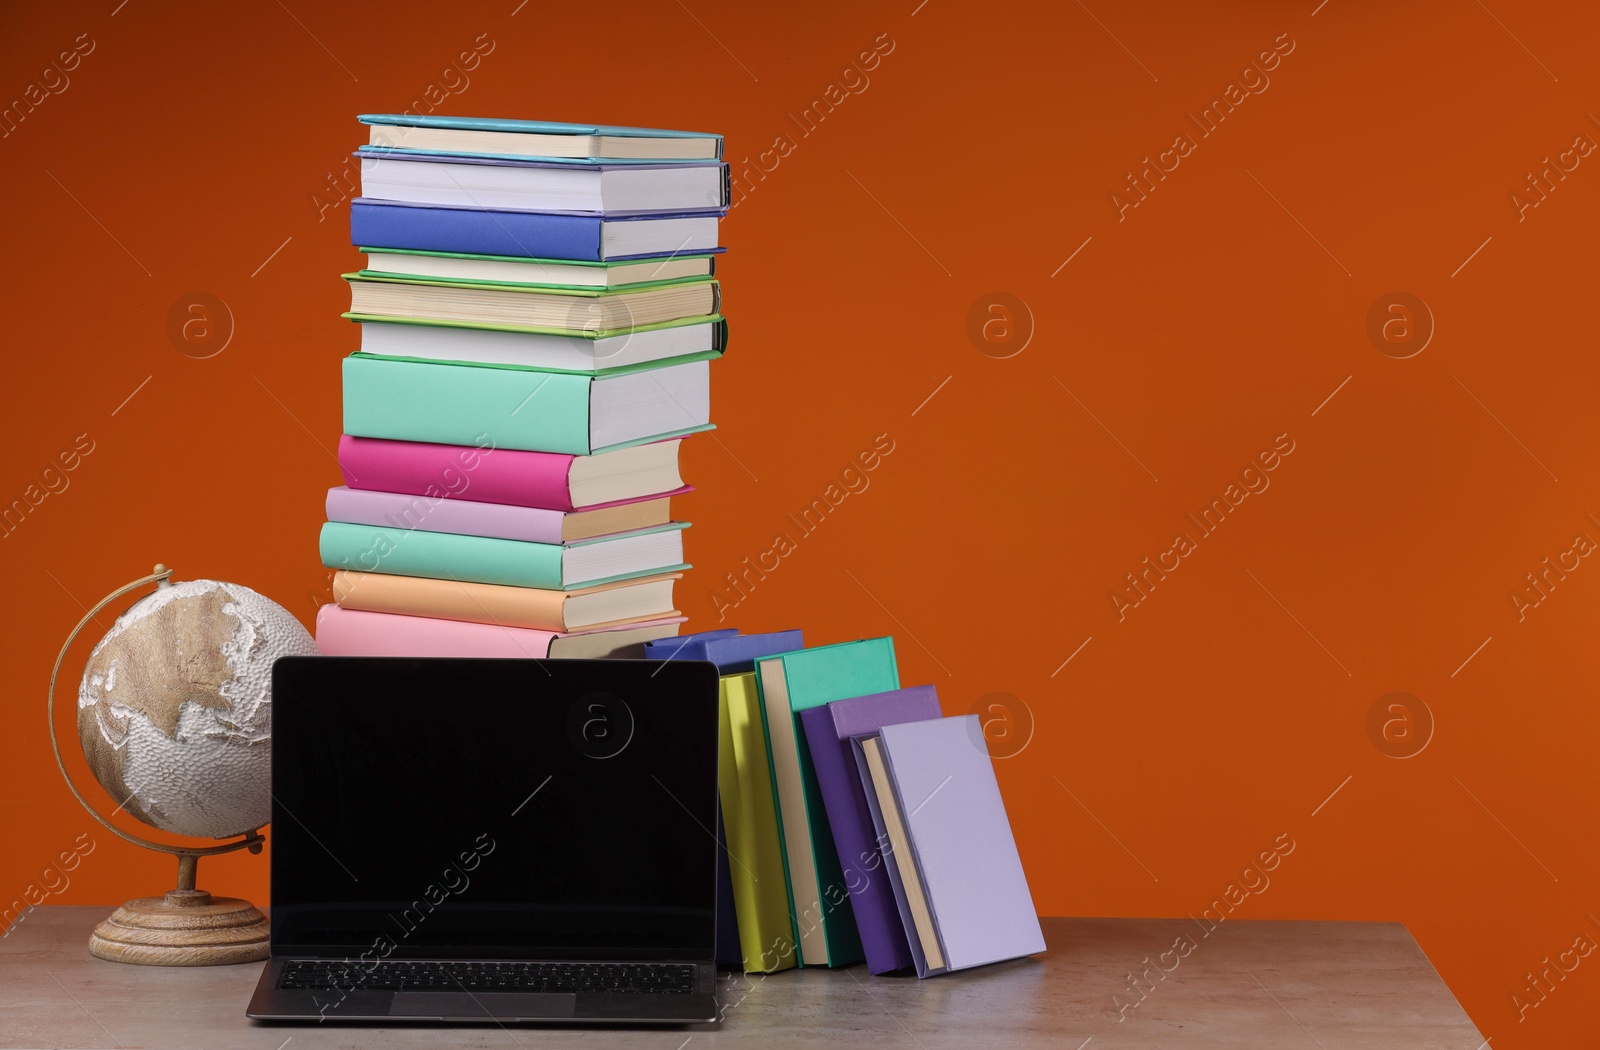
x,y
953,863
733,654
760,882
828,732
790,684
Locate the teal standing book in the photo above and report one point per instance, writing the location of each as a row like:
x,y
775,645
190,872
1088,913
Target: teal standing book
x,y
503,406
791,683
513,563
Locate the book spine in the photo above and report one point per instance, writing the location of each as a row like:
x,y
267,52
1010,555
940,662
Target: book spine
x,y
458,404
441,556
478,472
476,231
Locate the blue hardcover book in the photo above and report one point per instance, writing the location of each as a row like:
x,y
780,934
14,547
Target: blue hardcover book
x,y
685,646
738,654
531,234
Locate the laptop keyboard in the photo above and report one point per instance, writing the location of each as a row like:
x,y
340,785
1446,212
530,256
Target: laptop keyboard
x,y
316,974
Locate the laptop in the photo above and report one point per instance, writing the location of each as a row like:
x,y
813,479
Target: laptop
x,y
476,840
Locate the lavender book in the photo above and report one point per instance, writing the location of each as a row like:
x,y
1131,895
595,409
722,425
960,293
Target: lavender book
x,y
958,882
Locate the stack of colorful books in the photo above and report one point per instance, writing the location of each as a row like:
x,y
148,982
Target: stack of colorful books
x,y
537,318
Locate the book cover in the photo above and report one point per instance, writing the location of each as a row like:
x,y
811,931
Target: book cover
x,y
758,877
962,849
460,403
791,683
476,470
828,731
512,563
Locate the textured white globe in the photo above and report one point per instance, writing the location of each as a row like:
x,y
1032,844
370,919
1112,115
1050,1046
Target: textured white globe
x,y
175,707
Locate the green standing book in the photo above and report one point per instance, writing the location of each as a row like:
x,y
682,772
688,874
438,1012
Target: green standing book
x,y
789,684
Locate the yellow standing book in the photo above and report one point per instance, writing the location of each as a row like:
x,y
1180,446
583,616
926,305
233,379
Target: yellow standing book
x,y
767,935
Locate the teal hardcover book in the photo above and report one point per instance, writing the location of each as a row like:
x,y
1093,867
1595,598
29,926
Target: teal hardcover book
x,y
791,683
500,406
514,563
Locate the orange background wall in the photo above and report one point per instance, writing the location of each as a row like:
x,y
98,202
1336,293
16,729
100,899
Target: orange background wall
x,y
192,149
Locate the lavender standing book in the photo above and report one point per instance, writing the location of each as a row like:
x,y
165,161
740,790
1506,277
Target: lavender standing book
x,y
960,843
828,732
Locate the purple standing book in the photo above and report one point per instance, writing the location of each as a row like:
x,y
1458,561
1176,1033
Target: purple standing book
x,y
828,732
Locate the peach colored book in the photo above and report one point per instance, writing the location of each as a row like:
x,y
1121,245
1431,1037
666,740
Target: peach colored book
x,y
607,605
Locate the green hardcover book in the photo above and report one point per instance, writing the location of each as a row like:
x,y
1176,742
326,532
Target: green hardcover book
x,y
791,683
514,563
551,273
533,305
502,406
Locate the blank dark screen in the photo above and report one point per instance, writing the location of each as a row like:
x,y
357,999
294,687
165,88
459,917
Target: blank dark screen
x,y
496,808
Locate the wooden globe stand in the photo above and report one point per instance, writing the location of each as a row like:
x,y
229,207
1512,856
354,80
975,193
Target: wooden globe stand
x,y
186,927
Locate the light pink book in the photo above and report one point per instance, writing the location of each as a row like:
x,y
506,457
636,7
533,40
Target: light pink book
x,y
484,474
352,632
402,510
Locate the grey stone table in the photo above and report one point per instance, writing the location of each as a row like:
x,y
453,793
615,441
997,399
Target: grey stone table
x,y
1340,985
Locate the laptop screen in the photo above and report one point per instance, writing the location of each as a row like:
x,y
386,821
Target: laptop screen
x,y
444,808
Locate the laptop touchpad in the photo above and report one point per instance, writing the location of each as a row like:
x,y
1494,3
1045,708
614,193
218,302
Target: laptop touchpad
x,y
485,1005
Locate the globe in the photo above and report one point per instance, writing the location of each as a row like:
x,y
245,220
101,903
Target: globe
x,y
175,706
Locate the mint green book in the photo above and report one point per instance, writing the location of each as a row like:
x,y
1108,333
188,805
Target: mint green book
x,y
513,563
791,683
503,406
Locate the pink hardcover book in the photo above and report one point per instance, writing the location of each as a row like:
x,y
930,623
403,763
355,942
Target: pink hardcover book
x,y
550,480
352,632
